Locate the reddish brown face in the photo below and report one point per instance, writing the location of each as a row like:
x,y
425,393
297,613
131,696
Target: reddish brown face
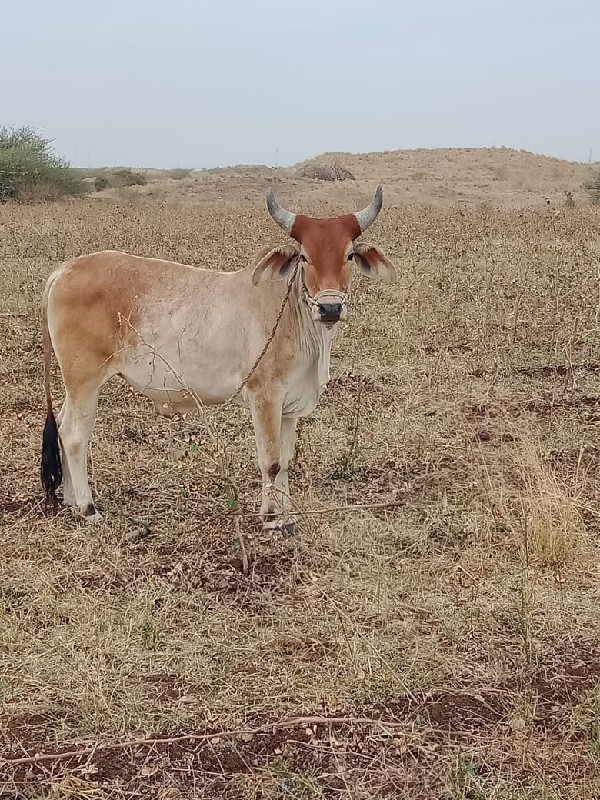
x,y
327,250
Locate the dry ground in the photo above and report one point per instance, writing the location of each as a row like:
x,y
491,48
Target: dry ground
x,y
440,643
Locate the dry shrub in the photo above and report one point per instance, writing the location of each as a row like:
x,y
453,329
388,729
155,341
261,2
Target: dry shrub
x,y
341,172
326,172
40,191
128,177
593,188
552,526
113,178
318,172
178,173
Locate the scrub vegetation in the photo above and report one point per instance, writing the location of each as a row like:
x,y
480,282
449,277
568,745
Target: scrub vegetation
x,y
29,169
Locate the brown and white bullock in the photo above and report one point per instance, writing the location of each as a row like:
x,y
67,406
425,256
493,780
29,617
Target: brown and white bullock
x,y
183,335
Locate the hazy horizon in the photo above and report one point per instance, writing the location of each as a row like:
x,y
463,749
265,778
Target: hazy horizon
x,y
199,86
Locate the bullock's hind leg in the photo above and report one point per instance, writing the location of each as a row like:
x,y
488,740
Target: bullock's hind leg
x,y
67,483
76,420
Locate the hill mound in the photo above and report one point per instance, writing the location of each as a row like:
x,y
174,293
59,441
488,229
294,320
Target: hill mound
x,y
493,176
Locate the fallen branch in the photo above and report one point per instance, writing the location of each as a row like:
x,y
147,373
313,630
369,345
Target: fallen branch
x,y
195,737
244,554
336,509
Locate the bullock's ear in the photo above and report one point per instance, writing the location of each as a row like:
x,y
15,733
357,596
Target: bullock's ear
x,y
371,261
274,264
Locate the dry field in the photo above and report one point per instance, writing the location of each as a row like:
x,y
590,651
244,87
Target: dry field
x,y
433,630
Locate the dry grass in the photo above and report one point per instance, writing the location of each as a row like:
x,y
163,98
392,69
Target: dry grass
x,y
553,529
463,622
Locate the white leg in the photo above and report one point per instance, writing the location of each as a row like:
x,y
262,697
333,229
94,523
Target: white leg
x,y
76,422
288,521
67,484
288,443
266,417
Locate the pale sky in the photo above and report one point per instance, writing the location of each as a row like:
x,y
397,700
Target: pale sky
x,y
168,83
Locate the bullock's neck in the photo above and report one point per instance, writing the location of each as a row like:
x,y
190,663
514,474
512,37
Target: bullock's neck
x,y
314,340
308,339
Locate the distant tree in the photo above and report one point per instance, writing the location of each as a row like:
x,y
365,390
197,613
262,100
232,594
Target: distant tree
x,y
30,170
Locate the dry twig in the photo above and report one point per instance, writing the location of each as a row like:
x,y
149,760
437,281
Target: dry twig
x,y
196,737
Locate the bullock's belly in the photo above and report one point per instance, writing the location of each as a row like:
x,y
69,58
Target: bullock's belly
x,y
179,385
174,392
169,403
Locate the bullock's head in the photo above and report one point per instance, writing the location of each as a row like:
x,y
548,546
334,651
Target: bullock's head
x,y
326,249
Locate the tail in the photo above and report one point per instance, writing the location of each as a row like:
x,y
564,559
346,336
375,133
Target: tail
x,y
51,468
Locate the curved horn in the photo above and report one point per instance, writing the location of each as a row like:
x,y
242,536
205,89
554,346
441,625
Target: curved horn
x,y
369,214
285,219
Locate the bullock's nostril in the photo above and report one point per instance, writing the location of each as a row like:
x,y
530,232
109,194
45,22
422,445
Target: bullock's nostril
x,y
330,312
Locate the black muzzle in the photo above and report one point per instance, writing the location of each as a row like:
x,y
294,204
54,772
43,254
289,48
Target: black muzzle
x,y
330,312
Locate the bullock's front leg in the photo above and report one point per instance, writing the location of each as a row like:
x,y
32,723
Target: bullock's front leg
x,y
288,445
266,417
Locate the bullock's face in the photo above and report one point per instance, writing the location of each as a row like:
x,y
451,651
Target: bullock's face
x,y
326,252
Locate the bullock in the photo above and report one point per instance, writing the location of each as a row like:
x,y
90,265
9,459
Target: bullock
x,y
183,336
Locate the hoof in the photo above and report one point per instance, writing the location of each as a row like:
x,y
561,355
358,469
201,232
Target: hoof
x,y
91,513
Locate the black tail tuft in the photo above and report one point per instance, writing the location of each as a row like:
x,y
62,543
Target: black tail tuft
x,y
51,466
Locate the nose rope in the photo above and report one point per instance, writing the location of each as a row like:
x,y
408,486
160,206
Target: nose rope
x,y
332,295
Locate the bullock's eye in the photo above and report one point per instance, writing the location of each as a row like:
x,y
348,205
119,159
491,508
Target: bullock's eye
x,y
301,259
350,256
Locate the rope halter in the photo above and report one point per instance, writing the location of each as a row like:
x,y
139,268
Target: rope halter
x,y
330,296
